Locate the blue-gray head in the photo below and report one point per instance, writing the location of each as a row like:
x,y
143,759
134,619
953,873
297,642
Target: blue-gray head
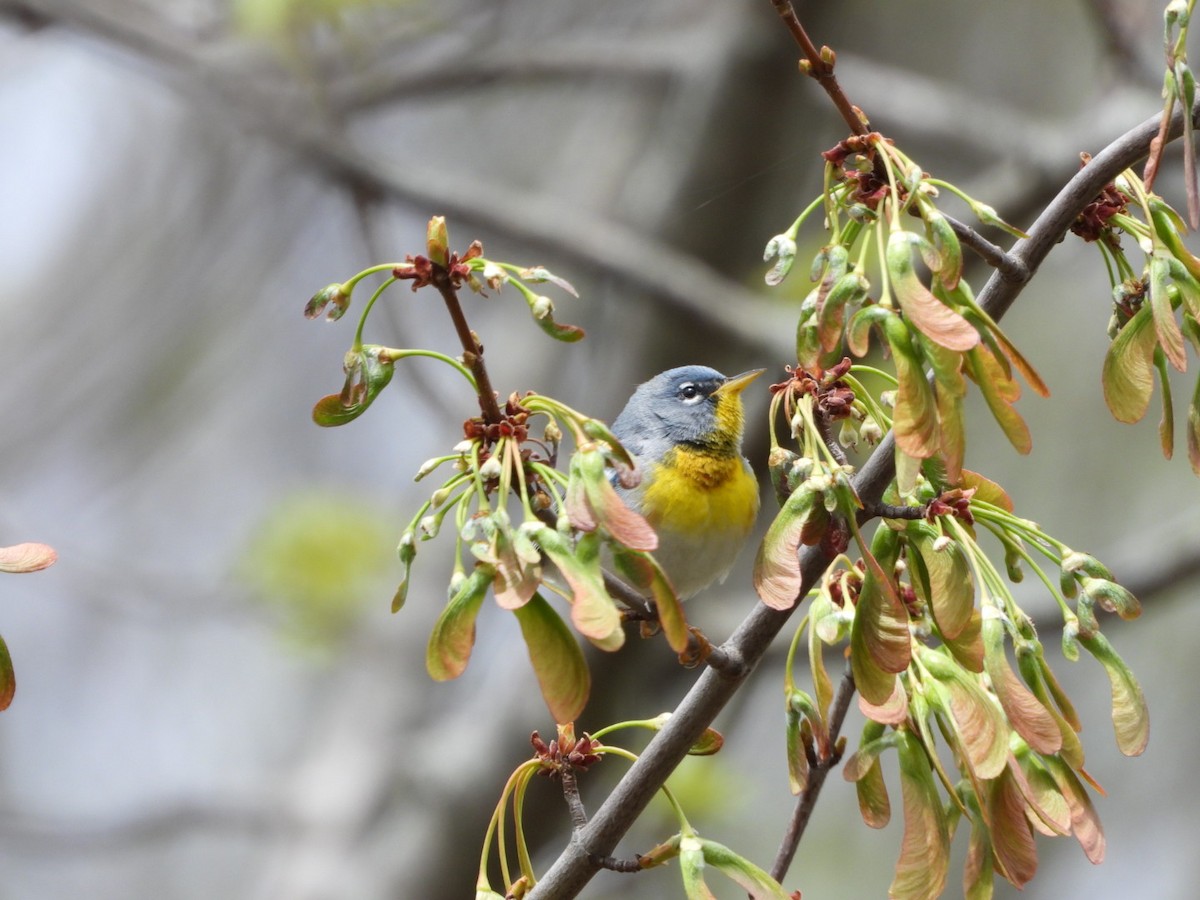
x,y
692,405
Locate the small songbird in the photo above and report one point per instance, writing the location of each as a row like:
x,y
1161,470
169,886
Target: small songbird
x,y
684,428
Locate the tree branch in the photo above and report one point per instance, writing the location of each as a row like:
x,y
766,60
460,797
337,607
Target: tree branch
x,y
708,696
807,801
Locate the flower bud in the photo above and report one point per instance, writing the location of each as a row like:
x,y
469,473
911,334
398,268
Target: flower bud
x,y
542,307
490,468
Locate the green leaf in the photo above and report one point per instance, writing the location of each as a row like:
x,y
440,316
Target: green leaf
x,y
368,371
880,642
558,662
915,420
850,288
1170,338
934,319
592,501
777,577
945,243
924,848
858,334
1045,687
1128,373
453,634
977,721
942,578
593,612
864,770
797,755
1053,813
1131,718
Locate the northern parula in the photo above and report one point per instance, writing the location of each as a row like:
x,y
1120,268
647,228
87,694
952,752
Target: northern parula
x,y
684,427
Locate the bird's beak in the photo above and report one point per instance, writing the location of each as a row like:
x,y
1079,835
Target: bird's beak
x,y
738,383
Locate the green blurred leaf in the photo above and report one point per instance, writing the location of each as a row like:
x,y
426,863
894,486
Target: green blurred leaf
x,y
453,635
557,659
316,559
1128,373
8,677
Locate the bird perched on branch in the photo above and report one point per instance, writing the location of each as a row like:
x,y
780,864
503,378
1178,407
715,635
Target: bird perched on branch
x,y
684,428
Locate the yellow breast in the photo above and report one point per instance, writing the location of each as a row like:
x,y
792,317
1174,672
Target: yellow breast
x,y
703,507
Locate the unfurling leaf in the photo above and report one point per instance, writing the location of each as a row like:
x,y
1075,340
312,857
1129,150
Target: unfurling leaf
x,y
1128,373
592,501
644,573
1012,836
777,576
557,659
915,420
977,721
1000,391
930,316
368,370
593,611
1028,717
1131,718
453,634
1166,329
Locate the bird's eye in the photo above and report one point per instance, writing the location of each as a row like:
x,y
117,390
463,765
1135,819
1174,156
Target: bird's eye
x,y
689,393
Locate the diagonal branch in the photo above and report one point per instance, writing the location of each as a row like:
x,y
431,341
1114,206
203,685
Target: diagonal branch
x,y
712,690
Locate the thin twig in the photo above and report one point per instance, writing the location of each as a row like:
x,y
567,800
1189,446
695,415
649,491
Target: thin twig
x,y
807,801
571,793
472,348
1010,267
820,69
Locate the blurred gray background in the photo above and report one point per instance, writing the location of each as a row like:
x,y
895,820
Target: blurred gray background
x,y
213,698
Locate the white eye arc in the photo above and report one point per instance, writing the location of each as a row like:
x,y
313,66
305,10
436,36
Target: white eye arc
x,y
690,393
